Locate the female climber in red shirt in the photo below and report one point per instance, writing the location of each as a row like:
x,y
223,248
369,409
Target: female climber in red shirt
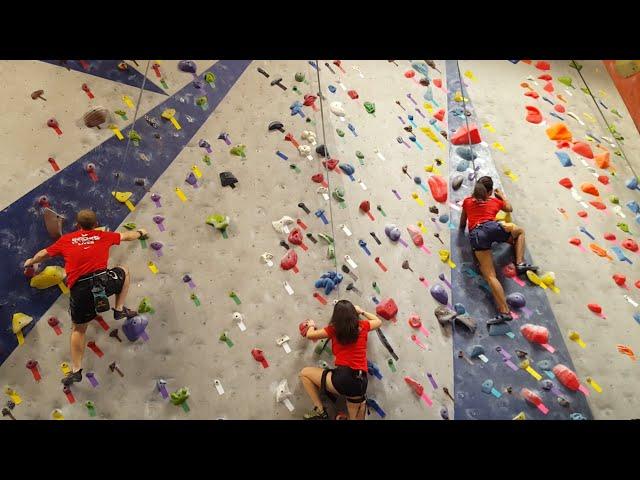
x,y
480,211
348,336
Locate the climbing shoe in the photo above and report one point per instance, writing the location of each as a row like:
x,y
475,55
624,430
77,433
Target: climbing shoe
x,y
124,313
316,415
71,378
524,268
500,318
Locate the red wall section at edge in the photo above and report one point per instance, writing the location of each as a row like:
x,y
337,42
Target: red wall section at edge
x,y
629,89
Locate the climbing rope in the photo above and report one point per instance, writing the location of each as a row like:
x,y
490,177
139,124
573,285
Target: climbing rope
x,y
133,122
624,155
324,138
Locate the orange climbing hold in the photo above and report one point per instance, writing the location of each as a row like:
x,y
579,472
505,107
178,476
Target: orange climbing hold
x,y
542,65
583,149
531,94
566,182
533,114
559,108
603,160
463,136
590,188
440,115
558,131
528,62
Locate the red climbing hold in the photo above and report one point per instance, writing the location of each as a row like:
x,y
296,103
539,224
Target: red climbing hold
x,y
331,163
620,280
295,237
409,74
583,149
439,188
353,94
531,94
533,114
437,82
542,65
535,333
599,205
563,144
637,284
566,182
549,87
566,377
289,261
546,77
317,178
575,241
365,206
603,179
387,309
609,236
582,214
439,115
595,308
463,136
559,108
630,245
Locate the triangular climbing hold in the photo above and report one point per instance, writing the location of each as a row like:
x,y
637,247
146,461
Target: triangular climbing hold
x,y
558,131
583,149
589,188
439,115
603,160
549,87
542,65
464,137
566,182
531,94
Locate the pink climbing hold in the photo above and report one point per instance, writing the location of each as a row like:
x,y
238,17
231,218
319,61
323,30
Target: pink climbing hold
x,y
439,188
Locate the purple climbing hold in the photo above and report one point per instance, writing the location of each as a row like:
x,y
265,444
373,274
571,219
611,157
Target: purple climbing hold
x,y
188,66
516,300
156,245
393,232
134,328
439,294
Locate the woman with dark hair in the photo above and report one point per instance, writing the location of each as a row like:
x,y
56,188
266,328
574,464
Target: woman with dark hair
x,y
480,210
348,336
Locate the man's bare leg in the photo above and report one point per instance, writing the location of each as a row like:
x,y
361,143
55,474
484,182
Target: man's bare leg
x,y
78,344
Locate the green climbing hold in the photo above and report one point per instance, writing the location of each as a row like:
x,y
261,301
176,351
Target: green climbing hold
x,y
207,159
359,154
145,306
568,81
201,101
134,136
338,194
180,396
210,77
585,90
130,226
339,132
576,65
238,151
370,107
221,222
615,200
615,112
331,252
122,113
299,77
326,238
624,227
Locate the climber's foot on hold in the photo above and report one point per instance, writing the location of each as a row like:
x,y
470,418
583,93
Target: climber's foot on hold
x,y
500,318
316,414
525,267
124,313
71,378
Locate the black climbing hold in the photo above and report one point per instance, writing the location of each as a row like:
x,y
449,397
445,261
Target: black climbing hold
x,y
277,81
456,183
311,237
284,244
433,209
304,207
227,179
263,72
322,150
276,126
375,238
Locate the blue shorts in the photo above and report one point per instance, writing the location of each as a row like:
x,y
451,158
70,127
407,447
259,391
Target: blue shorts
x,y
485,234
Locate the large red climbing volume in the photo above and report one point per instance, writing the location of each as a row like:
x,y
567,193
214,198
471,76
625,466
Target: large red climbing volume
x,y
464,136
438,187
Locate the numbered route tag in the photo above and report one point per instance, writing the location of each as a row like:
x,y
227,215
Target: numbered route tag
x,y
218,385
346,230
351,263
288,288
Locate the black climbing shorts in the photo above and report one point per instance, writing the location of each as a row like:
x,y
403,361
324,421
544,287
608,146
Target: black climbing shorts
x,y
349,382
81,304
485,234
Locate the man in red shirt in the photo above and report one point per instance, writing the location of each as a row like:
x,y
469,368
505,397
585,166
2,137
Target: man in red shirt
x,y
479,211
86,254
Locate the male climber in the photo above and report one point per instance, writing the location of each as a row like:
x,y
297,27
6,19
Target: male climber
x,y
480,211
86,254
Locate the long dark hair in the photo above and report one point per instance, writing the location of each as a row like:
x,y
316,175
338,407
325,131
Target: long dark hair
x,y
482,189
345,320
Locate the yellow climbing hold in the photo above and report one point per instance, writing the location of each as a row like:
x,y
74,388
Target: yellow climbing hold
x,y
445,257
489,127
50,276
18,322
511,175
594,385
520,416
469,74
575,336
536,280
57,414
15,398
428,106
169,114
458,97
549,280
65,368
498,146
417,198
589,117
123,197
421,226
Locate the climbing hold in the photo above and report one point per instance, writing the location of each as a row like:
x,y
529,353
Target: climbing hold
x,y
566,377
50,276
559,131
565,160
387,309
535,333
134,327
559,108
603,160
466,136
439,294
95,117
289,261
456,182
393,232
533,114
630,245
439,188
566,183
583,149
516,300
590,189
542,65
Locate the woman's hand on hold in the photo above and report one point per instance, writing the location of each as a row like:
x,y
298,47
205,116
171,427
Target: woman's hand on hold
x,y
359,310
498,194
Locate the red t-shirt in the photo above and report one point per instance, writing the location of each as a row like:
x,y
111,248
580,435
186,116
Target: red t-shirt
x,y
354,354
84,251
481,211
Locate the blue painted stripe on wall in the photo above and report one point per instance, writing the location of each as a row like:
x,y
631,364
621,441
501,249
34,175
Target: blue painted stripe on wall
x,y
22,230
471,402
109,69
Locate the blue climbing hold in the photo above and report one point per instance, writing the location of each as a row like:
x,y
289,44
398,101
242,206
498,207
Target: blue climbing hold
x,y
444,218
565,160
459,308
332,89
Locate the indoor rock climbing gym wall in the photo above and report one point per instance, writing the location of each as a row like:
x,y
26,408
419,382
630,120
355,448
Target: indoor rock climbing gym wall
x,y
271,189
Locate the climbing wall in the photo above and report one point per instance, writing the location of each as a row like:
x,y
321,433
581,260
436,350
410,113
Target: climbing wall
x,y
380,123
